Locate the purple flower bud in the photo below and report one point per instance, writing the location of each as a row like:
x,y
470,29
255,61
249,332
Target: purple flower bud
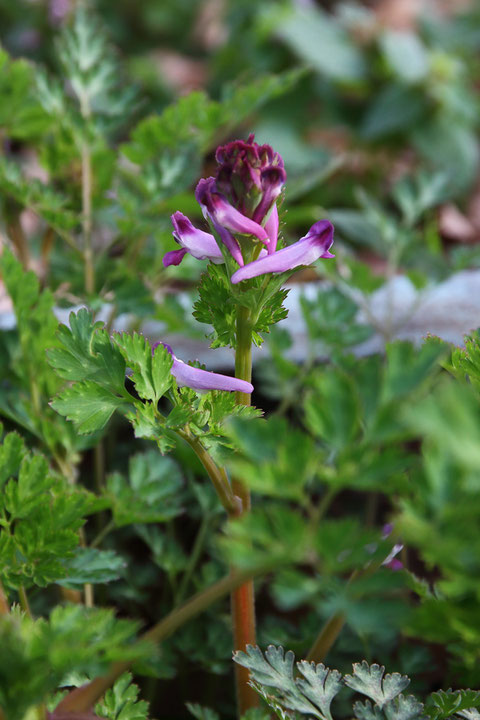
x,y
200,244
314,245
250,176
222,213
198,379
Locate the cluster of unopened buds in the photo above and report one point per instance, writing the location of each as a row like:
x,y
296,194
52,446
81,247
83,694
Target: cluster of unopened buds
x,y
240,206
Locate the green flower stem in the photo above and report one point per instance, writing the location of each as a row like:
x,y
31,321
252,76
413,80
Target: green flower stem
x,y
243,597
217,475
82,699
326,638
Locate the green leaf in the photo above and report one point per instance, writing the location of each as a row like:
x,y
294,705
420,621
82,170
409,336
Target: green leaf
x,y
311,694
272,458
87,353
405,54
151,493
443,704
216,306
407,367
394,109
370,680
90,565
41,514
331,409
151,371
88,405
121,702
319,40
320,685
12,451
202,713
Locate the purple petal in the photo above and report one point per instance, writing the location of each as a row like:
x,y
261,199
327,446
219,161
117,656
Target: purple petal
x,y
223,213
230,243
200,244
203,380
174,257
199,379
271,227
314,245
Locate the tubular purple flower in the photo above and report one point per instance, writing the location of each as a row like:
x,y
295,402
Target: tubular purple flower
x,y
198,379
200,244
314,245
222,213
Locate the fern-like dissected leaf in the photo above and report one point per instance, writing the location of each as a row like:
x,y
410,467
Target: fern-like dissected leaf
x,y
404,707
121,702
320,685
310,695
370,680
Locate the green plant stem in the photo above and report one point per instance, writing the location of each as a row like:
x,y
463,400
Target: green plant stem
x,y
217,475
87,218
102,534
82,699
326,638
243,597
4,606
24,604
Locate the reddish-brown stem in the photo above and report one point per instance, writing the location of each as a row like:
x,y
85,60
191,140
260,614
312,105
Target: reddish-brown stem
x,y
243,598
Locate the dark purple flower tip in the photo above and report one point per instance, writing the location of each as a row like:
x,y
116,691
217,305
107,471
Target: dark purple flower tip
x,y
222,213
165,345
272,179
314,245
200,244
198,379
173,257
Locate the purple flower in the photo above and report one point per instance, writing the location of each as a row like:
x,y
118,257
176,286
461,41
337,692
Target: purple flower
x,y
198,379
200,244
314,245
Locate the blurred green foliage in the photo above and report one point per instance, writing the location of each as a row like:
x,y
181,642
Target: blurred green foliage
x,y
101,140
